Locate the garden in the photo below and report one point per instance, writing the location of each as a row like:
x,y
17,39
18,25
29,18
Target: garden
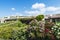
x,y
37,29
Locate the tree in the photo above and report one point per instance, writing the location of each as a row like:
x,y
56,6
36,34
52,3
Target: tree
x,y
39,17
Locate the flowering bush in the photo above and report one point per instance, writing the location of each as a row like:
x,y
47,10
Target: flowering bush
x,y
35,31
52,31
56,29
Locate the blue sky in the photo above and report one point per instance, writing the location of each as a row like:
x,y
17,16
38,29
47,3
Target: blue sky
x,y
29,7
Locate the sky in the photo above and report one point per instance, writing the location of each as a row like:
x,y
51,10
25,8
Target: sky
x,y
29,7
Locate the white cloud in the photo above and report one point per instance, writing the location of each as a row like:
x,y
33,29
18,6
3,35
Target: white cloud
x,y
33,13
13,9
52,8
40,8
38,5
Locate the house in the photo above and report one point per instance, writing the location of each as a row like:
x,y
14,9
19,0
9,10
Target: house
x,y
53,18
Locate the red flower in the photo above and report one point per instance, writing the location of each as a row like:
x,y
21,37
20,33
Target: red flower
x,y
46,30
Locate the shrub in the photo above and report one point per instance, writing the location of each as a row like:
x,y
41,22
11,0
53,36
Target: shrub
x,y
39,17
13,31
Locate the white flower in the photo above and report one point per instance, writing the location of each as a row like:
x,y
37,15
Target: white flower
x,y
58,24
55,26
59,28
58,33
58,36
52,28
